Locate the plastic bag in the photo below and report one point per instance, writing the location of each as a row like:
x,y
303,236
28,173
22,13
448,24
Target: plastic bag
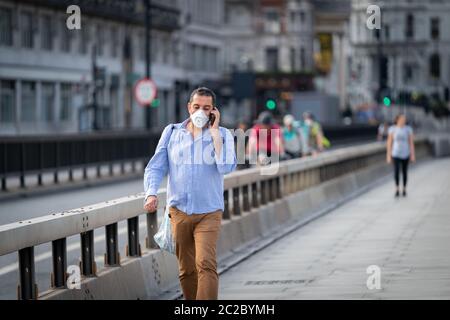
x,y
164,237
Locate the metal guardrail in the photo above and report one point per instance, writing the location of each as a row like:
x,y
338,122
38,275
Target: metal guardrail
x,y
243,190
24,155
29,155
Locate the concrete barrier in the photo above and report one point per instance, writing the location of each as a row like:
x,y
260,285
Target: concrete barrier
x,y
440,144
155,274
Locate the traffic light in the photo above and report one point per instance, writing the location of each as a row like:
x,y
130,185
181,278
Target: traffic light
x,y
155,103
271,104
387,101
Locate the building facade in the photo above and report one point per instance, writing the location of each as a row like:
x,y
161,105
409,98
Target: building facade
x,y
408,56
46,70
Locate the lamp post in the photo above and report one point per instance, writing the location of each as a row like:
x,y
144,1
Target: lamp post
x,y
148,47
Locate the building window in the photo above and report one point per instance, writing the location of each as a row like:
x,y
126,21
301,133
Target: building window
x,y
407,73
198,57
46,33
272,24
190,56
84,39
100,40
272,59
409,32
26,29
47,102
28,113
302,17
293,64
66,102
7,101
114,42
387,32
5,27
302,59
435,66
435,28
166,50
293,14
65,39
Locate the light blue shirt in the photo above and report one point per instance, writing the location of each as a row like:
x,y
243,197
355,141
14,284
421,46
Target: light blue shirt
x,y
195,171
400,137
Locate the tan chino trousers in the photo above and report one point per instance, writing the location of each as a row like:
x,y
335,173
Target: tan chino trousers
x,y
196,238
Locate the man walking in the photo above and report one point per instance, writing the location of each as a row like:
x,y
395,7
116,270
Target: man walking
x,y
195,154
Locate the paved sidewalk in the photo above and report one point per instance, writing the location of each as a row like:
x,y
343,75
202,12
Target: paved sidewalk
x,y
408,238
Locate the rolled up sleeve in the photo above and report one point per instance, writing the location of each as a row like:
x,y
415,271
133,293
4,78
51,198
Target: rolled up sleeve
x,y
226,160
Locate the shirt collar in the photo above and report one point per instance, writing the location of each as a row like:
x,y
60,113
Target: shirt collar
x,y
206,134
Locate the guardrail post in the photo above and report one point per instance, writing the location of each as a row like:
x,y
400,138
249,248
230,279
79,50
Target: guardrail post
x,y
59,257
133,247
246,200
71,160
87,265
22,165
40,159
27,290
226,201
112,255
152,228
270,190
55,173
236,202
255,202
263,192
86,158
4,167
278,194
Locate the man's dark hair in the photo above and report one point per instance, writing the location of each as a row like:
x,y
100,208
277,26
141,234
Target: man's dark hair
x,y
203,91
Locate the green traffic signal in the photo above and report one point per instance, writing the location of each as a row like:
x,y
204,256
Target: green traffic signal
x,y
387,101
155,103
271,104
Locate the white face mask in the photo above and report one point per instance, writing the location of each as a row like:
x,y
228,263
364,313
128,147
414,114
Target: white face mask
x,y
199,118
308,122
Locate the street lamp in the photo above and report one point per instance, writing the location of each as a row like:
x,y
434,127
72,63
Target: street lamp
x,y
148,50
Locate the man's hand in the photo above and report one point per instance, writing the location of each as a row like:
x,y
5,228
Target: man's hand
x,y
412,158
151,204
216,113
388,159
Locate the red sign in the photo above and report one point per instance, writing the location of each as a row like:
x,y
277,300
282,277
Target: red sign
x,y
145,91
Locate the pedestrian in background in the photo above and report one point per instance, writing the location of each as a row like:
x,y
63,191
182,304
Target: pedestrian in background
x,y
400,150
265,143
292,137
312,135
